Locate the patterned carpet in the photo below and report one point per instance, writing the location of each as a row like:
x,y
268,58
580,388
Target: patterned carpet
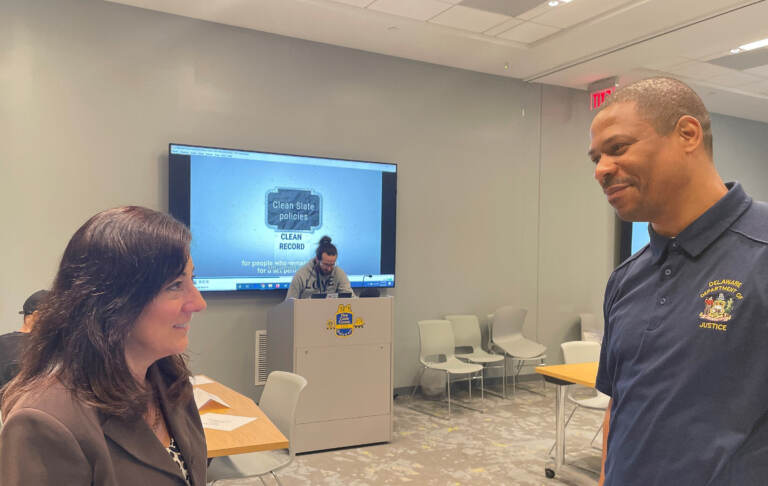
x,y
505,445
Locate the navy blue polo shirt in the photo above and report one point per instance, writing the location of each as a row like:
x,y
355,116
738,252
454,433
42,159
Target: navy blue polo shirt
x,y
685,353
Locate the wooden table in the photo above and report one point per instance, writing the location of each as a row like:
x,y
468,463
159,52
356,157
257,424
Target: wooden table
x,y
258,435
562,376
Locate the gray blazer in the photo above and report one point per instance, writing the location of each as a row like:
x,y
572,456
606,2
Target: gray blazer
x,y
52,438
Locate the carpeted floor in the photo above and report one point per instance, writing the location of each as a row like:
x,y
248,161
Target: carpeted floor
x,y
505,445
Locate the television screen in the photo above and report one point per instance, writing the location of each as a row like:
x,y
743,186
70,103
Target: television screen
x,y
257,217
634,236
640,236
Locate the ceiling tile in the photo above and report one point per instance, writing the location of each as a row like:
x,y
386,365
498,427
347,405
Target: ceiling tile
x,y
568,14
534,12
699,70
664,63
356,3
504,7
503,27
758,71
452,2
760,87
744,60
412,9
469,19
528,32
733,80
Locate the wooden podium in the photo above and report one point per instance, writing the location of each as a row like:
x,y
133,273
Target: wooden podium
x,y
343,347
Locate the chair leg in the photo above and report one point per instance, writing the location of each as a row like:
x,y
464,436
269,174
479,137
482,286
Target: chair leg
x,y
566,425
518,366
448,386
277,479
504,382
417,383
469,382
261,478
595,436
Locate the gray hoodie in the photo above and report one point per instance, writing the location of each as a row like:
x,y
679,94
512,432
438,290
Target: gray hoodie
x,y
309,280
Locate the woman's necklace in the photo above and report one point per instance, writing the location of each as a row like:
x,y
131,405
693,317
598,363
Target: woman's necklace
x,y
155,414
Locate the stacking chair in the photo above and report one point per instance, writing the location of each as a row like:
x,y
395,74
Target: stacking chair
x,y
591,328
466,334
507,337
436,351
278,401
584,352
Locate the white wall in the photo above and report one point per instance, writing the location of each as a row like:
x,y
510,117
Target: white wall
x,y
496,203
741,153
577,225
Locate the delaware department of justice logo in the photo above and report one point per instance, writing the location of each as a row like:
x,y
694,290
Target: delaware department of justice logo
x,y
719,298
345,321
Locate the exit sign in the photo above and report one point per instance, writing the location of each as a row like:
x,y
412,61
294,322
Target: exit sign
x,y
597,98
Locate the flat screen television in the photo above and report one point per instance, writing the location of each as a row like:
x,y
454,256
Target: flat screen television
x,y
257,217
634,236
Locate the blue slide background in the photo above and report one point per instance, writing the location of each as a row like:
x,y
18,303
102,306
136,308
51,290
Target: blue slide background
x,y
228,210
640,236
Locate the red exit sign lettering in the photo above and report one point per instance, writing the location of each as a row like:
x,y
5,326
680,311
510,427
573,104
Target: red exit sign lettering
x,y
597,98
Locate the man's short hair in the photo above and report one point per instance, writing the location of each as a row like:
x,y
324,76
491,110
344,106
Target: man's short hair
x,y
662,101
33,302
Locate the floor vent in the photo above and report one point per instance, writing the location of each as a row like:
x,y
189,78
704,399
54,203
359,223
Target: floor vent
x,y
261,357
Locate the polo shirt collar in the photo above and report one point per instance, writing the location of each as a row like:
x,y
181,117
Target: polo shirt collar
x,y
695,238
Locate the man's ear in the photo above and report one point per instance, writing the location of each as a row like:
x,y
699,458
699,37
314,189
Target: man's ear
x,y
689,132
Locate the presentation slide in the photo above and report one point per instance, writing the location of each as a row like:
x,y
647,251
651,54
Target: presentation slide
x,y
640,236
263,218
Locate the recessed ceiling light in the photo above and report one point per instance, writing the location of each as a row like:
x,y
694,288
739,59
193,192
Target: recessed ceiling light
x,y
735,51
554,3
566,1
754,45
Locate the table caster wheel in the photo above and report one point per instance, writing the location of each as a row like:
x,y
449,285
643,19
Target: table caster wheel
x,y
549,473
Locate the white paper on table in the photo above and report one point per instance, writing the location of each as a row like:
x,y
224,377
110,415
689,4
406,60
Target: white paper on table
x,y
220,421
199,380
202,398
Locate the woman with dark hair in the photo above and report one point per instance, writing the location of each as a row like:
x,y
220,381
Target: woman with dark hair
x,y
103,394
320,275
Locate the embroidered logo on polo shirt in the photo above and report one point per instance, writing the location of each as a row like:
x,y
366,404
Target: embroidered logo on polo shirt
x,y
718,299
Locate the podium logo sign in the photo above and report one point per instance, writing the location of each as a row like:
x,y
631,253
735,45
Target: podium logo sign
x,y
293,210
345,323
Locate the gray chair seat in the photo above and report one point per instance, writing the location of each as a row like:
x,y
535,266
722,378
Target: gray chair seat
x,y
455,366
520,347
481,356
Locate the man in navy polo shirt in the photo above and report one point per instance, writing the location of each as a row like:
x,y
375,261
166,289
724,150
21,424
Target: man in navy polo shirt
x,y
685,350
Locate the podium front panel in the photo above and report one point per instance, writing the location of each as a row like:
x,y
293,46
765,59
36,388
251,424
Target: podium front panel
x,y
331,322
343,382
343,347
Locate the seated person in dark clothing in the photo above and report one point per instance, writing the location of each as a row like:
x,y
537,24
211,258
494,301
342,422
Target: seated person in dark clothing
x,y
12,343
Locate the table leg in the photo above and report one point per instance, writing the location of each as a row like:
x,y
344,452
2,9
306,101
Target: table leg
x,y
560,426
558,466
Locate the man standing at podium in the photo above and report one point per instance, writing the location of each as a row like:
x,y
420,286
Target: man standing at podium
x,y
320,275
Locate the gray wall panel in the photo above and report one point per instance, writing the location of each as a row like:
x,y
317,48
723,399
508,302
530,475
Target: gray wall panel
x,y
495,199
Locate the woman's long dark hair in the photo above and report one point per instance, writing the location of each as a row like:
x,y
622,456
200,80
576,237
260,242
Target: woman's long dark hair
x,y
113,266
